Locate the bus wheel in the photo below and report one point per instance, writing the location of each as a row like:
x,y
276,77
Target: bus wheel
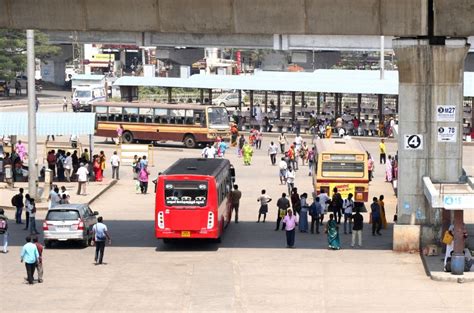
x,y
189,141
166,241
127,137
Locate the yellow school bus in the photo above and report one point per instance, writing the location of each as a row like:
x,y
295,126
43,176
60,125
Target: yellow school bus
x,y
341,163
191,124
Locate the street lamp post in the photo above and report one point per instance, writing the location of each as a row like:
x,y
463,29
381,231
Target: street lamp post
x,y
32,157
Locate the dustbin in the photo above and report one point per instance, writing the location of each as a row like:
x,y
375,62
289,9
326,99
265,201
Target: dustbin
x,y
457,264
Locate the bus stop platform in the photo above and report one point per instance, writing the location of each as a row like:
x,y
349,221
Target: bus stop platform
x,y
94,191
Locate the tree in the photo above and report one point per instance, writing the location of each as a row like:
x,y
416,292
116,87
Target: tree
x,y
13,51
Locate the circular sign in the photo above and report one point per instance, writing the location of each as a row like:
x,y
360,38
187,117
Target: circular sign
x,y
440,130
414,141
440,109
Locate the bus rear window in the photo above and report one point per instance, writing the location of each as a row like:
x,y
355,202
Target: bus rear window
x,y
185,193
347,169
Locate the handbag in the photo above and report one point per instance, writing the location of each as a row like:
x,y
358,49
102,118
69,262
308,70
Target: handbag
x,y
447,238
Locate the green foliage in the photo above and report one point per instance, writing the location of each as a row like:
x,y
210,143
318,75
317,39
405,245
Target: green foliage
x,y
13,51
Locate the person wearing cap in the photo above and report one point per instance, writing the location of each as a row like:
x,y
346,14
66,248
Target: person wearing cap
x,y
82,174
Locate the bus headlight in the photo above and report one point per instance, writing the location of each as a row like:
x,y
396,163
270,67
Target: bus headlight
x,y
210,220
161,220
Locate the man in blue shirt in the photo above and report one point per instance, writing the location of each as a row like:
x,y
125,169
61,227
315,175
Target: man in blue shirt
x,y
30,255
315,210
376,217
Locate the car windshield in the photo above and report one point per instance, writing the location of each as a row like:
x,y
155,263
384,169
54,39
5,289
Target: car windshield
x,y
82,94
188,193
62,215
218,116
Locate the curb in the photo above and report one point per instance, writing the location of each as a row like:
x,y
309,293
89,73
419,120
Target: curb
x,y
460,279
112,183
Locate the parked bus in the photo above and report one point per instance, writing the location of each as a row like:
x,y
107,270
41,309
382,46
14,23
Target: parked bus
x,y
192,199
191,124
342,163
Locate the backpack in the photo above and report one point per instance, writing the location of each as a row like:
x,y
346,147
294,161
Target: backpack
x,y
3,226
14,200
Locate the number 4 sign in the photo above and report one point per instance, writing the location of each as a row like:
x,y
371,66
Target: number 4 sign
x,y
413,142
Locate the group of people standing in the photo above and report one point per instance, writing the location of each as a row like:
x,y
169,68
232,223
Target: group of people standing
x,y
140,173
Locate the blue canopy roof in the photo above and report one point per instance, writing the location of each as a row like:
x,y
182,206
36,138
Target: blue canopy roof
x,y
16,123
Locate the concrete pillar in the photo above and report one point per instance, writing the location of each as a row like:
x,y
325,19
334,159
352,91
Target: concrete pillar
x,y
359,103
380,109
429,75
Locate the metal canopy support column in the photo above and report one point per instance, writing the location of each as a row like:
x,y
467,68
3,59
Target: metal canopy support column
x,y
318,103
302,102
239,92
170,94
201,95
472,116
336,105
278,104
396,104
293,104
265,99
380,110
251,105
210,96
359,104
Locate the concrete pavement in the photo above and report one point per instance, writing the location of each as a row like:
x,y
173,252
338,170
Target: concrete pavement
x,y
251,271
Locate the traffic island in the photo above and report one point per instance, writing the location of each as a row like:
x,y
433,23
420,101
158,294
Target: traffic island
x,y
434,268
94,191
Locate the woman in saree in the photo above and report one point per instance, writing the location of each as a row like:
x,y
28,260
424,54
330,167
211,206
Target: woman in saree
x,y
97,168
389,170
333,234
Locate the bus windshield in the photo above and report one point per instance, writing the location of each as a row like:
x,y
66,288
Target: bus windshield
x,y
346,169
82,94
218,117
185,193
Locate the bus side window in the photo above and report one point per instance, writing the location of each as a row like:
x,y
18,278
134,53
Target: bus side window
x,y
189,120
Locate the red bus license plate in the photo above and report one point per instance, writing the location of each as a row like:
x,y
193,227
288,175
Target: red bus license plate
x,y
185,233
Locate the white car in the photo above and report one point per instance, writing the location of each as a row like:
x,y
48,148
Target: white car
x,y
230,99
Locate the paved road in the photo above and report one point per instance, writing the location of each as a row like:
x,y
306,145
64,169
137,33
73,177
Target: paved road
x,y
251,271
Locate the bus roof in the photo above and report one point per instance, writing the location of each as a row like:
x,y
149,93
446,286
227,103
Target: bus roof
x,y
197,166
150,104
338,145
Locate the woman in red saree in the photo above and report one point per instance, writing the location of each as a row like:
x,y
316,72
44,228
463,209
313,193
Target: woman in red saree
x,y
97,168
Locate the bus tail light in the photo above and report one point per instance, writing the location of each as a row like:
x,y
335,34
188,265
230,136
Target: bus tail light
x,y
210,220
161,220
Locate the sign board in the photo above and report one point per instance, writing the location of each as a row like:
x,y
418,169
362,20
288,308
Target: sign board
x,y
458,201
128,151
446,113
447,134
343,188
413,142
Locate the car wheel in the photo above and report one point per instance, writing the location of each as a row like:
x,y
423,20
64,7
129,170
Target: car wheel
x,y
127,137
189,141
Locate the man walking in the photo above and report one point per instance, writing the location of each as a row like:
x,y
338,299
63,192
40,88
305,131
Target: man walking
x,y
348,206
272,152
4,230
290,179
29,255
100,235
115,162
290,224
323,200
336,205
264,199
282,141
17,202
39,264
357,229
32,213
383,151
376,219
282,204
82,174
68,166
315,210
283,167
235,196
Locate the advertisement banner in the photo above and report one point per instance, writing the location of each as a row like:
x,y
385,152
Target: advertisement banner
x,y
343,188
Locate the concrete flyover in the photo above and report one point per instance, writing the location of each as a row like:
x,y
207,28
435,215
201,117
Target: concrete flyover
x,y
404,18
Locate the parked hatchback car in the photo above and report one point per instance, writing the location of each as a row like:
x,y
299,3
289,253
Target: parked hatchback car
x,y
69,222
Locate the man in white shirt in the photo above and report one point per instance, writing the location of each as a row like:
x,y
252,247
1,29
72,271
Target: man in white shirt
x,y
290,179
82,174
298,142
348,206
210,152
323,200
272,151
68,166
115,162
54,197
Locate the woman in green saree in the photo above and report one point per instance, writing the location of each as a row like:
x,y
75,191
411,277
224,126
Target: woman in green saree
x,y
333,234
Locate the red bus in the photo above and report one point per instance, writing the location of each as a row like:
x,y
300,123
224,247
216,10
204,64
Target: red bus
x,y
192,199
